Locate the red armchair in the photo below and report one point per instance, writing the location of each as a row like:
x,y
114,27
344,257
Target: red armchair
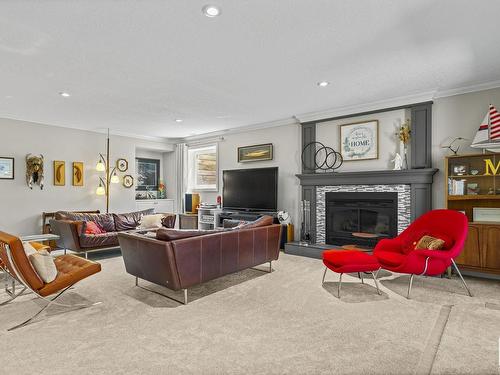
x,y
398,254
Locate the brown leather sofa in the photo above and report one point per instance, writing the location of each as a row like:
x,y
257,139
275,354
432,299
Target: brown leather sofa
x,y
182,263
70,226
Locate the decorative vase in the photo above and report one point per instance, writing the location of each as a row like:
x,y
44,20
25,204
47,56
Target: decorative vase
x,y
405,164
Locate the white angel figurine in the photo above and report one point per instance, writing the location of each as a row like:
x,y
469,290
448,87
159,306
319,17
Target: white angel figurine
x,y
398,162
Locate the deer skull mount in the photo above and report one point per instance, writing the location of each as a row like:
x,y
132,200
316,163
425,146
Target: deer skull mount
x,y
34,170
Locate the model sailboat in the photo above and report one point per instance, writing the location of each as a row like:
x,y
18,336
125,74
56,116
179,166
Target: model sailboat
x,y
488,135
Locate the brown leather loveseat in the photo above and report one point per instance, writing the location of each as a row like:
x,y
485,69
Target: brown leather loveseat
x,y
70,226
184,262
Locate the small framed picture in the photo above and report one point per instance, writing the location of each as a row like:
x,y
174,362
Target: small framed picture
x,y
59,173
459,169
255,153
122,165
6,168
77,173
128,181
359,141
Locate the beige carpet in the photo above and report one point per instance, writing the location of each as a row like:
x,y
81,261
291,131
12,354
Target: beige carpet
x,y
285,322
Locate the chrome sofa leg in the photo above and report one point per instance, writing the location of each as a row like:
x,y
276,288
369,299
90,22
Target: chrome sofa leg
x,y
86,255
340,284
361,277
410,283
324,274
461,278
270,266
184,301
376,282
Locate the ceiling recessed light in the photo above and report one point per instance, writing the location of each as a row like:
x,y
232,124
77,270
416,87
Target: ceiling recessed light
x,y
178,120
211,11
65,94
323,83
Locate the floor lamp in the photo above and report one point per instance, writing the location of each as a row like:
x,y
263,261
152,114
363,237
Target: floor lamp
x,y
110,177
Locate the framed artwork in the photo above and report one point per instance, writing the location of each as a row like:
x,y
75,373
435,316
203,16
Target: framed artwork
x,y
122,165
359,141
6,168
255,153
59,173
128,181
77,173
148,174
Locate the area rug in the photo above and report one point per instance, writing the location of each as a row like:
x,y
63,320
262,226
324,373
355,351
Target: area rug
x,y
251,322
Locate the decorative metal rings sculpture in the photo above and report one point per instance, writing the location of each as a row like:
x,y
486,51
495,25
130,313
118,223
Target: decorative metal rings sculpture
x,y
321,157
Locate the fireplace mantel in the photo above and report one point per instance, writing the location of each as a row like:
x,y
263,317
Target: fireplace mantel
x,y
405,176
419,182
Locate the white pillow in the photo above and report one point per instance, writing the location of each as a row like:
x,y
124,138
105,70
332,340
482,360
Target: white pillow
x,y
151,221
44,265
29,249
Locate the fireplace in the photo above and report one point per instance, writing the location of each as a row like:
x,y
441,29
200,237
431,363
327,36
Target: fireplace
x,y
373,214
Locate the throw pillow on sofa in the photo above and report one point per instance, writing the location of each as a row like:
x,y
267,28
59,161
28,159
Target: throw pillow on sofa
x,y
44,265
151,221
28,249
130,220
93,228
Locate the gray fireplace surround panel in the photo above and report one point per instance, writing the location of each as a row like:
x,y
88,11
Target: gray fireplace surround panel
x,y
416,182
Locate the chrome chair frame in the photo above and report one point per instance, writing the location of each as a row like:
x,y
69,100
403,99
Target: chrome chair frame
x,y
410,282
50,301
360,275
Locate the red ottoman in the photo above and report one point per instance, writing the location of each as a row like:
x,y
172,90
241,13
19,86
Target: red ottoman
x,y
342,261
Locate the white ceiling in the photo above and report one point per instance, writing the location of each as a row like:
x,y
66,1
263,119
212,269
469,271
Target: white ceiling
x,y
136,66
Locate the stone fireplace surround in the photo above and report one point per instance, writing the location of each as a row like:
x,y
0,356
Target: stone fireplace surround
x,y
414,188
404,200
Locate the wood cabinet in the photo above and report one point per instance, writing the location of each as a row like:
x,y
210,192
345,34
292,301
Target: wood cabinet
x,y
491,247
482,248
480,188
470,255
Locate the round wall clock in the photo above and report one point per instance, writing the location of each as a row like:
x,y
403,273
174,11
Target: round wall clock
x,y
128,181
122,165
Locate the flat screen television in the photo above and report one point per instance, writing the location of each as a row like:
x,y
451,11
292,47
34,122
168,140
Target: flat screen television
x,y
253,189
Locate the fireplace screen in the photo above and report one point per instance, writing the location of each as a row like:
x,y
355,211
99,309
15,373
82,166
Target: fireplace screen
x,y
370,214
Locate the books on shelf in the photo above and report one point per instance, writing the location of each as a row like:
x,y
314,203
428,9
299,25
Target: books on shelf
x,y
456,187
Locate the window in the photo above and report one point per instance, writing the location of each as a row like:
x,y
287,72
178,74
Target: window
x,y
202,168
148,174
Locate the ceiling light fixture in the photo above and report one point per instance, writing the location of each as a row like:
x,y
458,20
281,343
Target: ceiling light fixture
x,y
211,11
323,83
65,94
178,120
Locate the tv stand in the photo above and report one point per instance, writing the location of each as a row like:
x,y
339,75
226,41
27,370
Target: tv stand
x,y
245,215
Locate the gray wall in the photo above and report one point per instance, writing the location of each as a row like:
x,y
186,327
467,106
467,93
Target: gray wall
x,y
453,116
389,122
286,141
21,208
